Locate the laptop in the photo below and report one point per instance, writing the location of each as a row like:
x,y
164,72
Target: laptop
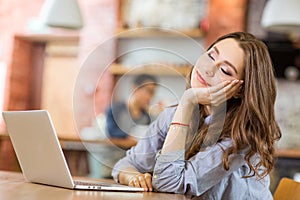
x,y
40,155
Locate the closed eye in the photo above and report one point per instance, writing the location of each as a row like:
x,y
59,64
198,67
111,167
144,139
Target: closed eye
x,y
211,57
225,72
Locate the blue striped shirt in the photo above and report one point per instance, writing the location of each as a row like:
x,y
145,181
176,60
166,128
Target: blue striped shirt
x,y
202,175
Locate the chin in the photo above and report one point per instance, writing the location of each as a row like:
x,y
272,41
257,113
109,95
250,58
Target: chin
x,y
197,85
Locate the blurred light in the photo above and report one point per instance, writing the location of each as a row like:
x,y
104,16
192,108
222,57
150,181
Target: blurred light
x,y
282,16
61,13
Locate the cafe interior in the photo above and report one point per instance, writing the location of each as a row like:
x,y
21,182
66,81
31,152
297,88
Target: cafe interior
x,y
73,58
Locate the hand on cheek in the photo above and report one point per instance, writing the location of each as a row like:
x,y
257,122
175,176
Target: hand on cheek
x,y
234,89
214,95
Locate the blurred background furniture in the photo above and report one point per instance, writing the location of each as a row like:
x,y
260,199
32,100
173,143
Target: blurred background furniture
x,y
287,189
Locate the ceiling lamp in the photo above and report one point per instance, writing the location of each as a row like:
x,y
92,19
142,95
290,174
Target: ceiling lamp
x,y
282,16
61,13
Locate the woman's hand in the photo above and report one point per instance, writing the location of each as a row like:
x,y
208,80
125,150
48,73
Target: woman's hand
x,y
214,95
142,181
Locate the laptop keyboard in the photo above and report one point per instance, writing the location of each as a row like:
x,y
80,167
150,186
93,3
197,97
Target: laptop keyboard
x,y
93,185
90,183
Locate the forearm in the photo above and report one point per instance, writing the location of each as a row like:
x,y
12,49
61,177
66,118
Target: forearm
x,y
176,136
184,112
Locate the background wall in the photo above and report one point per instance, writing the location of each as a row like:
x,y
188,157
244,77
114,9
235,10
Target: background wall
x,y
225,17
101,21
100,18
13,18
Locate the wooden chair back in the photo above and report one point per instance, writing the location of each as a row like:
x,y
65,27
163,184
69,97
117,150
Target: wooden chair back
x,y
287,189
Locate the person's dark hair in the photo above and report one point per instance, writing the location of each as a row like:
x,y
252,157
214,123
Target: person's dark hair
x,y
142,79
250,119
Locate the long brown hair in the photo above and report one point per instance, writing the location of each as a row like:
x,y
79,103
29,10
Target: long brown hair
x,y
249,119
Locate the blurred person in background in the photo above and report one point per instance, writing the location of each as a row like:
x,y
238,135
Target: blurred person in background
x,y
122,125
123,118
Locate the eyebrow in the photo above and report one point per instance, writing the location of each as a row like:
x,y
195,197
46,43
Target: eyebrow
x,y
227,62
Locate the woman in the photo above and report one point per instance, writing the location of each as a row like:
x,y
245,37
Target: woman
x,y
218,142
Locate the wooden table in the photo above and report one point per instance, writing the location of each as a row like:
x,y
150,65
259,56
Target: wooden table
x,y
14,187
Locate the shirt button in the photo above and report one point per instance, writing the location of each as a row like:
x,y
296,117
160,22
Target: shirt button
x,y
155,176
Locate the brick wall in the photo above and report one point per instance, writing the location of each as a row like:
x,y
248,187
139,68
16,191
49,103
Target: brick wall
x,y
100,20
14,15
99,17
225,17
13,19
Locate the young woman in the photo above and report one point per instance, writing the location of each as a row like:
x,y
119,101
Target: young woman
x,y
218,142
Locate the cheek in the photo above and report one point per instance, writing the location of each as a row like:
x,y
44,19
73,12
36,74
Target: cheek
x,y
193,80
242,76
218,78
221,77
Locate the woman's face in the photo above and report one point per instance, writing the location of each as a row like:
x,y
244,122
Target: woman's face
x,y
224,61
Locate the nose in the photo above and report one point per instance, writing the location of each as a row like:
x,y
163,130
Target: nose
x,y
210,67
209,73
211,70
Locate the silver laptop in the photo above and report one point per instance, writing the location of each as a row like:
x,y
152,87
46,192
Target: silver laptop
x,y
40,155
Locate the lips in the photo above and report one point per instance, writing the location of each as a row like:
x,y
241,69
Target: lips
x,y
201,79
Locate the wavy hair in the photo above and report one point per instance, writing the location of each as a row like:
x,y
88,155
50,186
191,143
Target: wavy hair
x,y
250,119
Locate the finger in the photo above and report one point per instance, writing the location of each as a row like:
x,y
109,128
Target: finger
x,y
142,182
233,85
136,182
219,86
131,183
148,179
226,93
233,90
220,94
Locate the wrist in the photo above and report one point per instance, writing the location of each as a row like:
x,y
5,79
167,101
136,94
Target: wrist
x,y
188,99
126,175
180,124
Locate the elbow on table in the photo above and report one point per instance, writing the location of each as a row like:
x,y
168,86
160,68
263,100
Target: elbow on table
x,y
166,185
176,185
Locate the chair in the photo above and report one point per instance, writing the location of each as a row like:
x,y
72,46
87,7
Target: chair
x,y
287,189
